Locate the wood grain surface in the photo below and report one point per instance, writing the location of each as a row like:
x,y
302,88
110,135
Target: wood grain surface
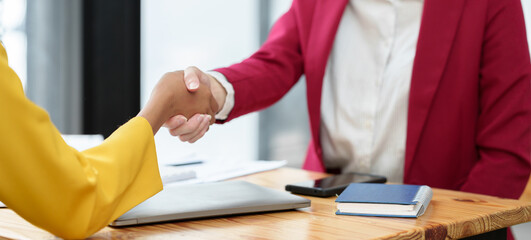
x,y
526,195
450,215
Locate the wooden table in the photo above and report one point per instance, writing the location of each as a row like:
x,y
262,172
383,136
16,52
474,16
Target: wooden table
x,y
450,214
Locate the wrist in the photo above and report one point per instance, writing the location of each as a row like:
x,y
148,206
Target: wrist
x,y
153,121
218,91
156,109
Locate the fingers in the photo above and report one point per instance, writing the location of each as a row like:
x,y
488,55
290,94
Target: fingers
x,y
192,76
175,122
198,132
189,127
200,135
193,129
184,104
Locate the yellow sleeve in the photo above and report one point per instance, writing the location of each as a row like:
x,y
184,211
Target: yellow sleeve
x,y
69,193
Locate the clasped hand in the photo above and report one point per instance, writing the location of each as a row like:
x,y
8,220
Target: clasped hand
x,y
179,109
192,129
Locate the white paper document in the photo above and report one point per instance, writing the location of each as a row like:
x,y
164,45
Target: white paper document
x,y
217,170
200,168
170,174
2,205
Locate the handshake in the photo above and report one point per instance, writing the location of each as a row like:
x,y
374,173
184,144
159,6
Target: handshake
x,y
185,102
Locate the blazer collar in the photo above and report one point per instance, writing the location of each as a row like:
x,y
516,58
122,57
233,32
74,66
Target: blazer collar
x,y
440,20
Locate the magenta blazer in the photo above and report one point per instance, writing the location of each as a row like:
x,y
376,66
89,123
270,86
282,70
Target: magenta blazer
x,y
470,101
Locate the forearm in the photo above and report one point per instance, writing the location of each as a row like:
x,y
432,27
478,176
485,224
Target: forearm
x,y
155,115
265,77
128,172
74,194
503,131
498,175
59,189
158,108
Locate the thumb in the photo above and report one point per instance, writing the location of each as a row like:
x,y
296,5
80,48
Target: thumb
x,y
191,78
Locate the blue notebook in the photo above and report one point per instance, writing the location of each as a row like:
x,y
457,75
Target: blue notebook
x,y
386,200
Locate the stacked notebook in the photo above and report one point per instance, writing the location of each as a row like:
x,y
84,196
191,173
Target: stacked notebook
x,y
386,200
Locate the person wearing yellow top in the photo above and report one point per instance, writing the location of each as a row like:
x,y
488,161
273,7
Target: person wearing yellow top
x,y
74,194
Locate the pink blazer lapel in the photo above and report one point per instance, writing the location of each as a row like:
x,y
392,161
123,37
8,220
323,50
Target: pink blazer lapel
x,y
324,26
440,20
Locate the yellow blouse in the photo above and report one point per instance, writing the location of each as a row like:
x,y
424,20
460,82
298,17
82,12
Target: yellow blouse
x,y
69,193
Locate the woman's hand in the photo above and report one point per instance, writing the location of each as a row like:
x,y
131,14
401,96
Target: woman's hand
x,y
170,98
194,128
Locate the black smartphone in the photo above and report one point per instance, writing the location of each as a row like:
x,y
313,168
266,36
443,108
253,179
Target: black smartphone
x,y
330,186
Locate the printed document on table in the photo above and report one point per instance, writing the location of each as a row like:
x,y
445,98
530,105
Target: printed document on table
x,y
200,168
170,174
217,170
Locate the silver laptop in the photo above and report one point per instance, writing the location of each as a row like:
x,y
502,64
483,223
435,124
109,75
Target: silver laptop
x,y
180,202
